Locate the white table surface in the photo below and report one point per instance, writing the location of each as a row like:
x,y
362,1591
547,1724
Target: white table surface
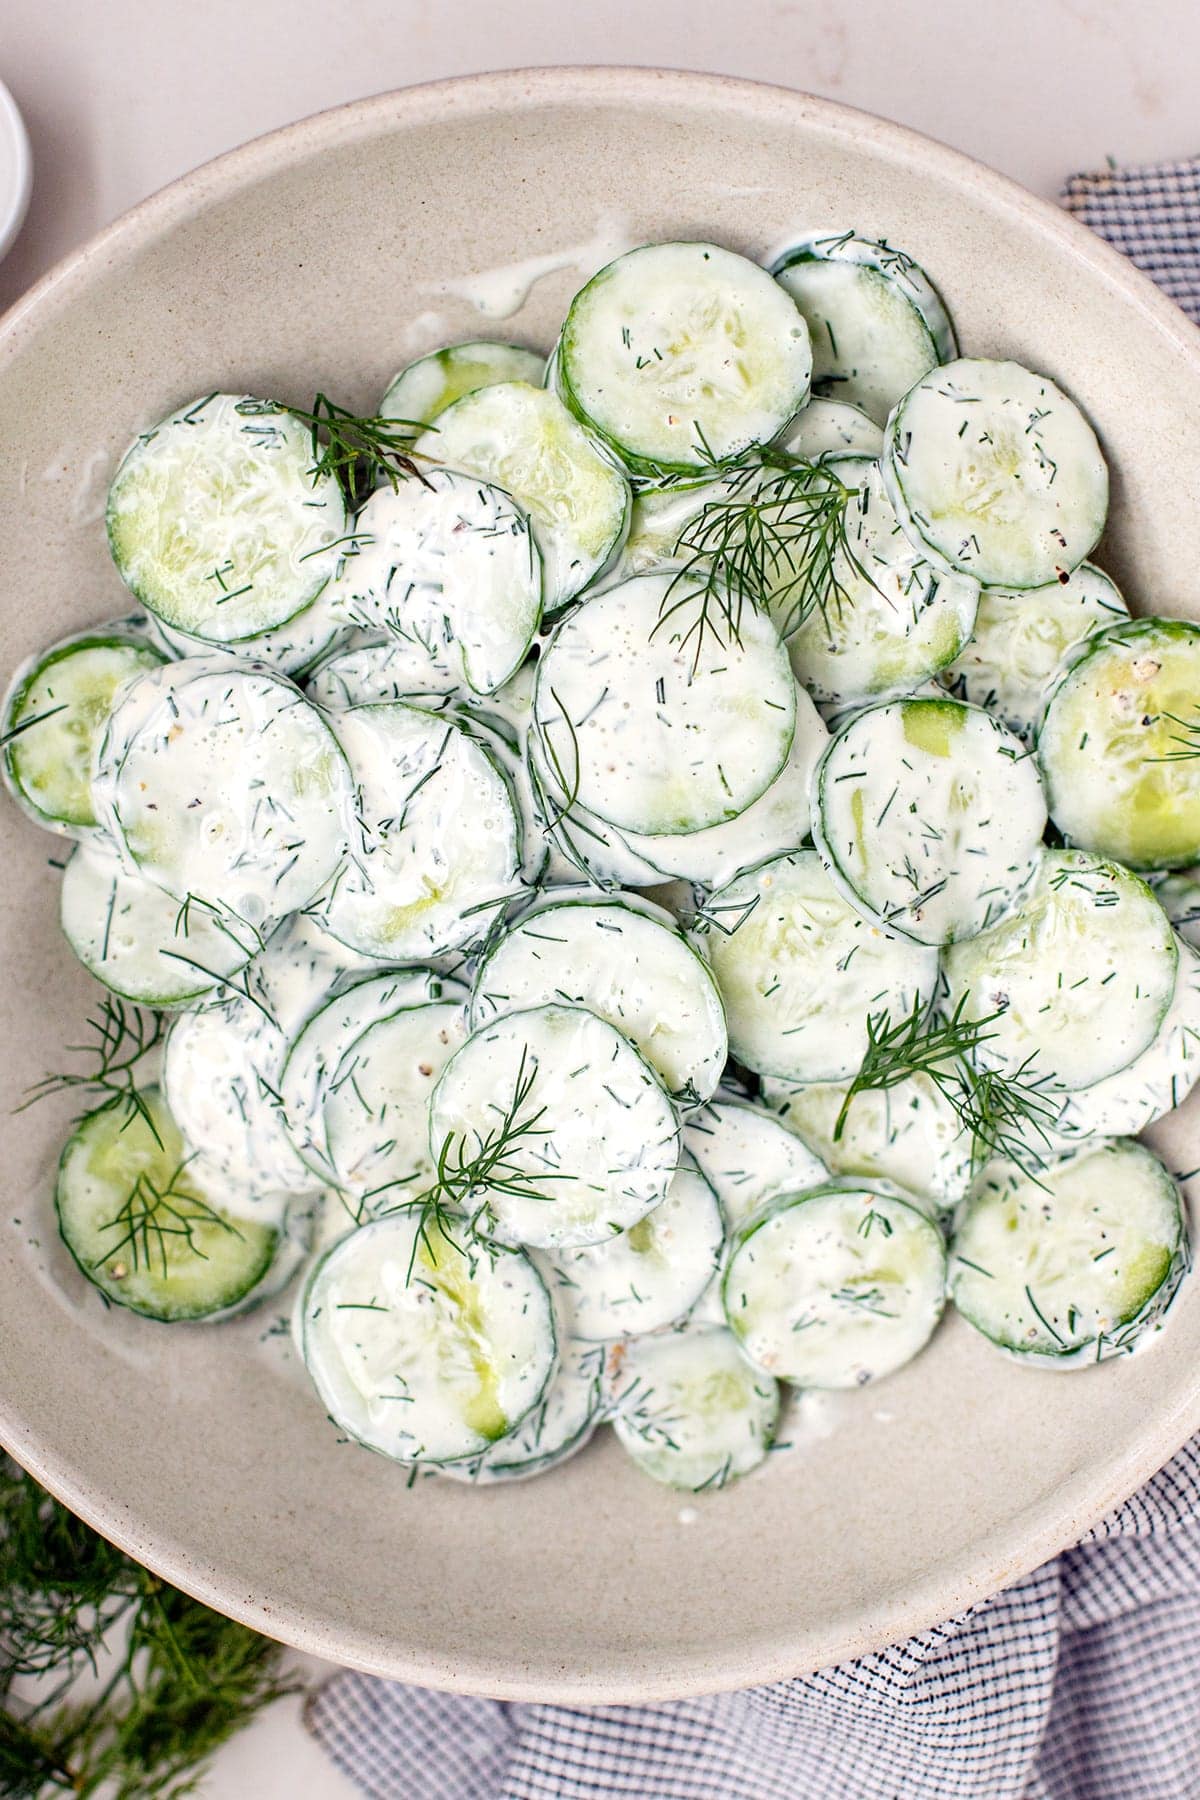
x,y
121,97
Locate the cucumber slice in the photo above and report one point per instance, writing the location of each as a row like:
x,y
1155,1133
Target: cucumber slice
x,y
627,962
1019,640
831,428
1118,745
799,970
140,1227
322,1039
650,1275
689,1409
1080,977
929,815
1179,897
574,1137
376,1114
54,716
139,941
447,565
749,1157
292,648
222,783
778,820
681,355
995,473
836,1287
1155,1082
893,620
875,320
367,668
218,522
438,853
421,1350
908,1134
559,1425
523,438
1077,1266
423,390
220,1075
651,727
581,845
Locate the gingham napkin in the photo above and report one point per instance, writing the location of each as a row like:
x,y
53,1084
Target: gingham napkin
x,y
1081,1682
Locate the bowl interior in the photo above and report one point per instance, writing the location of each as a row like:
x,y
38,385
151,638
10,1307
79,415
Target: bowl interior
x,y
323,258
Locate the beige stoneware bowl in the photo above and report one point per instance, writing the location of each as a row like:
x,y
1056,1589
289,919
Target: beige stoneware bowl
x,y
322,258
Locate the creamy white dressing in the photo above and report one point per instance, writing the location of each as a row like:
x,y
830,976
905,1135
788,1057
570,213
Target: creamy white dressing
x,y
499,292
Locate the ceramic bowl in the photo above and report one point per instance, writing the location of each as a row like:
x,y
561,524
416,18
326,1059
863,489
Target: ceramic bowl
x,y
323,257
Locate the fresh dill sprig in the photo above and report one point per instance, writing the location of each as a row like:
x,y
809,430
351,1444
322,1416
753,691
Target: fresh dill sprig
x,y
151,1218
470,1170
775,538
358,448
182,1681
999,1113
124,1036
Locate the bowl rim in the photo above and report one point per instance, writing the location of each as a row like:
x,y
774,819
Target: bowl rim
x,y
942,1592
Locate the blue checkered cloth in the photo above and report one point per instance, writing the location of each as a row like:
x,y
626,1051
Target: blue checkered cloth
x,y
1081,1682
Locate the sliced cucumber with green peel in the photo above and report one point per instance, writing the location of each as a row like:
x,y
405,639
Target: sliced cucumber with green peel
x,y
221,782
681,355
689,1409
836,1287
449,566
423,390
1077,1266
778,820
523,439
995,473
875,320
54,717
749,1156
831,428
908,1134
376,1112
624,960
654,726
142,1230
929,815
800,970
1155,1082
438,852
423,1349
652,1274
218,521
1019,639
321,1039
578,1139
1077,982
560,1424
892,620
138,939
1119,744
